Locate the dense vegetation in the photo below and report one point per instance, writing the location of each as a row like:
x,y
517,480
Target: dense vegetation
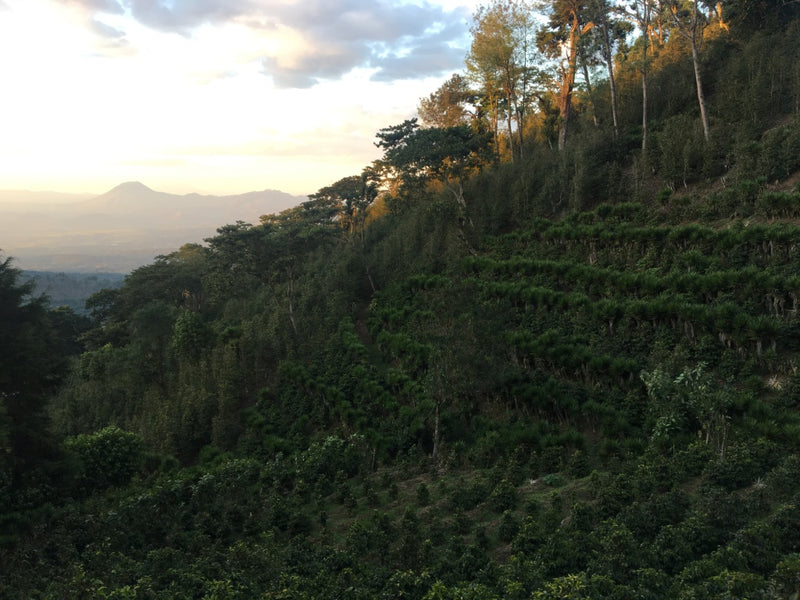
x,y
555,360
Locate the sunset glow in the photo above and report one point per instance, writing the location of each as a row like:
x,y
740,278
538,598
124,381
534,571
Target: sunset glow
x,y
215,97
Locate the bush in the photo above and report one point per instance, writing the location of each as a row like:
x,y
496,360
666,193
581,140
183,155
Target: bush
x,y
681,148
504,496
107,457
553,480
780,152
509,527
742,464
578,465
423,495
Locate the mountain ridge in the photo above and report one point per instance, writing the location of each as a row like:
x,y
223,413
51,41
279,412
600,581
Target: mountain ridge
x,y
122,228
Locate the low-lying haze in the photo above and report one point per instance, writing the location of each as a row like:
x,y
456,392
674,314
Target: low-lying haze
x,y
120,230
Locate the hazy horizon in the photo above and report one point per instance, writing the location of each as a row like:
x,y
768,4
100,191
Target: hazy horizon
x,y
122,228
9,195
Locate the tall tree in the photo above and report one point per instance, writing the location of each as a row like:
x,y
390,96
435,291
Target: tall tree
x,y
500,63
490,62
30,369
531,78
690,23
569,20
291,236
442,155
354,194
604,38
641,13
392,139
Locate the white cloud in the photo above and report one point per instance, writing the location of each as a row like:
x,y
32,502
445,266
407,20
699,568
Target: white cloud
x,y
337,35
112,90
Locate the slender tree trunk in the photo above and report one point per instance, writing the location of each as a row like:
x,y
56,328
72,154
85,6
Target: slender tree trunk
x,y
565,98
495,107
585,68
690,32
369,278
607,52
701,99
519,116
509,92
645,39
509,119
290,294
435,453
660,23
644,111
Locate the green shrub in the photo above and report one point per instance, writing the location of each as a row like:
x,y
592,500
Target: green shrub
x,y
742,464
553,480
504,496
508,527
681,149
578,465
780,152
108,457
423,495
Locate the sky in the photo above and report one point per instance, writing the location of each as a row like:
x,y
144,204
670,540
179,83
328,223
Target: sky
x,y
213,96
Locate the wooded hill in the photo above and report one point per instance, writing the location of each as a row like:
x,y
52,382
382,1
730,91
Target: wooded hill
x,y
560,368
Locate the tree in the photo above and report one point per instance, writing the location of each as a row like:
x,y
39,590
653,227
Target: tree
x,y
190,335
448,106
235,255
100,305
641,12
31,368
500,62
285,240
604,37
392,139
443,155
108,457
175,279
490,49
355,194
568,21
691,399
532,80
690,23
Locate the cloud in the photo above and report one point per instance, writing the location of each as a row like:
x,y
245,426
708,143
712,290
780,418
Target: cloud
x,y
107,31
433,53
400,41
181,16
333,37
106,6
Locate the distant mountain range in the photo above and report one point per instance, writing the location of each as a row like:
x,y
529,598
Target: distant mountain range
x,y
117,231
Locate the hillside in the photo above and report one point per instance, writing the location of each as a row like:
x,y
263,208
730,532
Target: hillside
x,y
471,372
